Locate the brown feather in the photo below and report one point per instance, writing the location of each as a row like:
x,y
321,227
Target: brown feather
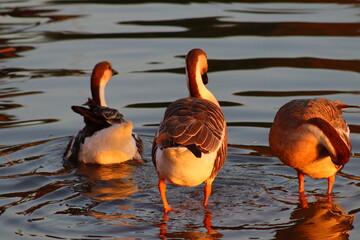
x,y
182,125
220,158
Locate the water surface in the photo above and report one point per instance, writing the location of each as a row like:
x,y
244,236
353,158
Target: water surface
x,y
261,55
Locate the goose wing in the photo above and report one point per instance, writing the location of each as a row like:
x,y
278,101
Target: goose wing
x,y
98,115
195,123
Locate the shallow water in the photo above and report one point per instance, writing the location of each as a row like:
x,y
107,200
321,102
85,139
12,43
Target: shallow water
x,y
261,55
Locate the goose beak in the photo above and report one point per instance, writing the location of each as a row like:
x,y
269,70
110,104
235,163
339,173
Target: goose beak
x,y
114,72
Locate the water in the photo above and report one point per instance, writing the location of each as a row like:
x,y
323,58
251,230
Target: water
x,y
261,55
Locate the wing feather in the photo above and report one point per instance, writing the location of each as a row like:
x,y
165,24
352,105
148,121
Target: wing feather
x,y
191,121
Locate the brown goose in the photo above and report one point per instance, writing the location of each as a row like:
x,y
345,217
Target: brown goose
x,y
106,138
311,136
190,145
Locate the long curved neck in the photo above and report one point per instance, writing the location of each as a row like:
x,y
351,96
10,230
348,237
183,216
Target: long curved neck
x,y
195,84
342,149
98,92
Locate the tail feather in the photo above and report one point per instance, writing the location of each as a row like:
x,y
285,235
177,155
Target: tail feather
x,y
100,115
89,116
341,105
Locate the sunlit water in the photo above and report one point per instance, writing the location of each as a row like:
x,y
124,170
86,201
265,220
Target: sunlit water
x,y
261,55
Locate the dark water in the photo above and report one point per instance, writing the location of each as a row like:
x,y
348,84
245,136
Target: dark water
x,y
261,55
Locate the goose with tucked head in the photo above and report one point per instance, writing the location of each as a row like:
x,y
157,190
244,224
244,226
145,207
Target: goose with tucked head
x,y
190,145
106,138
311,136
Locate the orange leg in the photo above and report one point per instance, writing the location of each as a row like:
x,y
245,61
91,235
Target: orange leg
x,y
303,200
207,191
331,181
302,196
162,190
301,179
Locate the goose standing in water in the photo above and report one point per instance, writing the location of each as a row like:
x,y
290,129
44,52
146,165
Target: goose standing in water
x,y
190,145
311,136
106,138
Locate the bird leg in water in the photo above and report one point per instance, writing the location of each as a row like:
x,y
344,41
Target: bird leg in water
x,y
301,179
302,196
207,190
303,200
331,181
162,190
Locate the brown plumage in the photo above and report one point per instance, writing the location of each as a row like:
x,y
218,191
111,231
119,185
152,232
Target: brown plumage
x,y
311,136
191,142
192,121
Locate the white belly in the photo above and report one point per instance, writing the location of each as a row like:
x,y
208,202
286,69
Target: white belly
x,y
110,145
181,167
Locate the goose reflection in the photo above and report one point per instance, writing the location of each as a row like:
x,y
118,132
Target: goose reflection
x,y
108,182
320,220
192,231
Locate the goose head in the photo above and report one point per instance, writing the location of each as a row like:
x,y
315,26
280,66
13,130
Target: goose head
x,y
196,65
101,74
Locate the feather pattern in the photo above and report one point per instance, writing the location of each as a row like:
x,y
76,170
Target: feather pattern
x,y
190,121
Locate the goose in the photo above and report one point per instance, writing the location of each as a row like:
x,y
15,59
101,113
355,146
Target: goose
x,y
190,145
106,138
311,136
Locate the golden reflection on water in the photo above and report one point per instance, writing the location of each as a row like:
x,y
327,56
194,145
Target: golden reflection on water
x,y
117,219
320,220
194,233
109,182
38,53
